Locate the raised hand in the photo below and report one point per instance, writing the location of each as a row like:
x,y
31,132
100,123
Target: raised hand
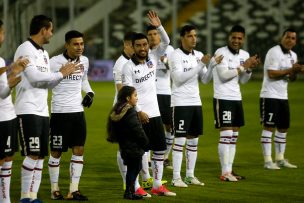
x,y
154,19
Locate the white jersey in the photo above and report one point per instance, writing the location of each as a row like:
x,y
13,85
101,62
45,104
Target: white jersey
x,y
117,71
66,96
32,91
7,110
229,88
163,81
142,76
276,59
186,69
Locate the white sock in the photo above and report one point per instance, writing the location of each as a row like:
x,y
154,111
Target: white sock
x,y
280,145
266,145
191,156
36,179
5,181
122,168
169,142
27,173
136,185
157,162
177,156
223,149
149,155
145,173
232,149
54,167
76,166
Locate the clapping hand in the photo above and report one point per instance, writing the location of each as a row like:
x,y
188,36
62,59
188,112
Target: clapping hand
x,y
206,58
252,62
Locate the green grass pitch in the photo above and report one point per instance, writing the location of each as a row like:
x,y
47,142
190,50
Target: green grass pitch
x,y
101,180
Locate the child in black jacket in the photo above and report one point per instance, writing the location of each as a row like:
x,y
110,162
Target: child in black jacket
x,y
125,128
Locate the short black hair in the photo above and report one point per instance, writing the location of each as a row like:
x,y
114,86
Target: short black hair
x,y
138,36
237,28
129,36
185,29
150,27
72,34
290,29
38,22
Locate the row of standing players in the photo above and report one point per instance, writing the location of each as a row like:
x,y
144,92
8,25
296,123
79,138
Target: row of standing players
x,y
149,64
33,73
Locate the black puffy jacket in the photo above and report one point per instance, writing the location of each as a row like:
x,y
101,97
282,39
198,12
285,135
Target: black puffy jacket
x,y
127,129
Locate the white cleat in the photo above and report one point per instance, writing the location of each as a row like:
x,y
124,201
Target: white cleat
x,y
228,177
271,166
193,181
178,183
285,163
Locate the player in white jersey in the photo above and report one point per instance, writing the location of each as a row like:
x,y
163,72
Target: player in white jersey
x,y
163,86
187,66
31,104
235,67
67,104
8,120
281,65
140,72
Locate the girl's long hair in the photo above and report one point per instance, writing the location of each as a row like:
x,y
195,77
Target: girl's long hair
x,y
124,92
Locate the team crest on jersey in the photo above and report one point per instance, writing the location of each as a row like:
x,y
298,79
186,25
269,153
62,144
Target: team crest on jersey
x,y
185,61
242,61
149,64
136,71
45,59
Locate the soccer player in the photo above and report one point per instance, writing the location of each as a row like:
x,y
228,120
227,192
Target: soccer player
x,y
187,65
140,72
234,68
31,104
163,86
8,120
67,105
280,66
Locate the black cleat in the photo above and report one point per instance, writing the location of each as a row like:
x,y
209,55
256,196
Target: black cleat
x,y
132,196
238,176
76,196
56,195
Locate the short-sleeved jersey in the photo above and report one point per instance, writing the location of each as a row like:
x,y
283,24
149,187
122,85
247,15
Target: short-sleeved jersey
x,y
7,110
276,59
185,68
66,96
163,81
142,77
230,89
32,91
117,71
